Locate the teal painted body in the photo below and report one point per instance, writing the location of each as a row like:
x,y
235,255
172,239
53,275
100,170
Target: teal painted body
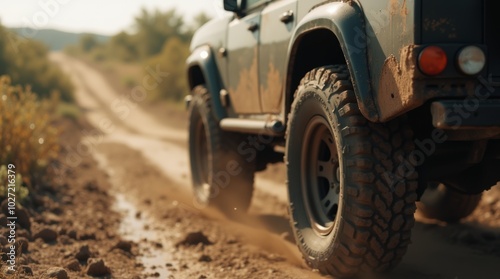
x,y
259,54
346,22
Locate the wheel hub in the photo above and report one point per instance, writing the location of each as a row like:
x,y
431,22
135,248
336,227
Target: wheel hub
x,y
322,175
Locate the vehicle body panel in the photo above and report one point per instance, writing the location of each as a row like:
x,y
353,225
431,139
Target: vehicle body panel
x,y
274,39
204,48
380,40
345,20
243,64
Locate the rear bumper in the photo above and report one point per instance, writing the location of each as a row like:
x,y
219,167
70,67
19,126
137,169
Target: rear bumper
x,y
469,119
466,114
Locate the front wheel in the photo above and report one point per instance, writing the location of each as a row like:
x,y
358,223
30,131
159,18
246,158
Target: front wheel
x,y
221,176
348,213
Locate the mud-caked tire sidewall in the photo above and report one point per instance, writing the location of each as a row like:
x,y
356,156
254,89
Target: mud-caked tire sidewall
x,y
373,224
230,175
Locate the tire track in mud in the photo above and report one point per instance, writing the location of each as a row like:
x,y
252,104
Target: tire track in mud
x,y
163,150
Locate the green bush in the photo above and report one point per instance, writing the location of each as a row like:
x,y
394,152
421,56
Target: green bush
x,y
28,136
22,191
27,62
172,60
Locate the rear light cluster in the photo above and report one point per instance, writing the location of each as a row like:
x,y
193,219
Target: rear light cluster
x,y
433,60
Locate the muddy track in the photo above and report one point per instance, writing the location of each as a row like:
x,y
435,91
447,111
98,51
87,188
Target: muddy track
x,y
147,163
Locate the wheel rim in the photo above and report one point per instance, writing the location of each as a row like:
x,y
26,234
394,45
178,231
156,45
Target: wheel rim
x,y
321,179
201,160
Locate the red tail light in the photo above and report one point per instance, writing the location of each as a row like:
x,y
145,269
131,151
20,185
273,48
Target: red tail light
x,y
432,60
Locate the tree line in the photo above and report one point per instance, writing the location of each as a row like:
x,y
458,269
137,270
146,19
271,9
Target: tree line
x,y
27,62
159,39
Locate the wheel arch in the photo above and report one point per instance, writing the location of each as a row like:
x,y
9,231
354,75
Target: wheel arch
x,y
202,69
331,34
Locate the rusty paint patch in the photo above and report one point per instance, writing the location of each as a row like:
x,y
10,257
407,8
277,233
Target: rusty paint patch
x,y
274,87
399,13
394,7
396,86
248,86
404,9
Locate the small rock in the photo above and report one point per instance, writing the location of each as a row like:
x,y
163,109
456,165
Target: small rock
x,y
73,265
51,219
73,234
232,241
3,220
23,233
202,277
97,267
57,272
8,271
138,215
23,243
23,218
3,240
156,274
5,206
65,240
205,258
26,270
67,200
124,245
91,186
169,265
88,236
46,234
83,253
158,245
193,239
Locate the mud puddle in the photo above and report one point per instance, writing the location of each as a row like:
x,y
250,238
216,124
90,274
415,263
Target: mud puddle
x,y
137,226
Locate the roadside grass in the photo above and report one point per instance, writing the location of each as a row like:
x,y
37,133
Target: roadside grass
x,y
29,137
70,111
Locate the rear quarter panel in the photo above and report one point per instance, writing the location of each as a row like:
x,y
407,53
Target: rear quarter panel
x,y
390,36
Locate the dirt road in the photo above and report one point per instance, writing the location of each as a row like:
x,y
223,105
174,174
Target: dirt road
x,y
147,163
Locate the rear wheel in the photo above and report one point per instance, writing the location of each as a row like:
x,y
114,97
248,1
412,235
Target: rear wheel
x,y
221,176
445,204
348,215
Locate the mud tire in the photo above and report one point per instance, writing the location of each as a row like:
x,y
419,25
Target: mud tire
x,y
221,177
370,229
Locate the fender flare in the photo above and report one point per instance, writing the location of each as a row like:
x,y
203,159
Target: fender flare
x,y
346,22
203,57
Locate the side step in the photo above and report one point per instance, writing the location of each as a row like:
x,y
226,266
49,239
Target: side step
x,y
250,126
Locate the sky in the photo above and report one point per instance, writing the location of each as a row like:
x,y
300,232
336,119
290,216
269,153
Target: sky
x,y
105,17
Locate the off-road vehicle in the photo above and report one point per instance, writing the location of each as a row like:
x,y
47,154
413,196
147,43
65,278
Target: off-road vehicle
x,y
372,104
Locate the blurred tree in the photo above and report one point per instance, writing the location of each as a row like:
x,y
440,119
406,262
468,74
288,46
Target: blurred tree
x,y
123,47
172,60
155,28
88,42
27,63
